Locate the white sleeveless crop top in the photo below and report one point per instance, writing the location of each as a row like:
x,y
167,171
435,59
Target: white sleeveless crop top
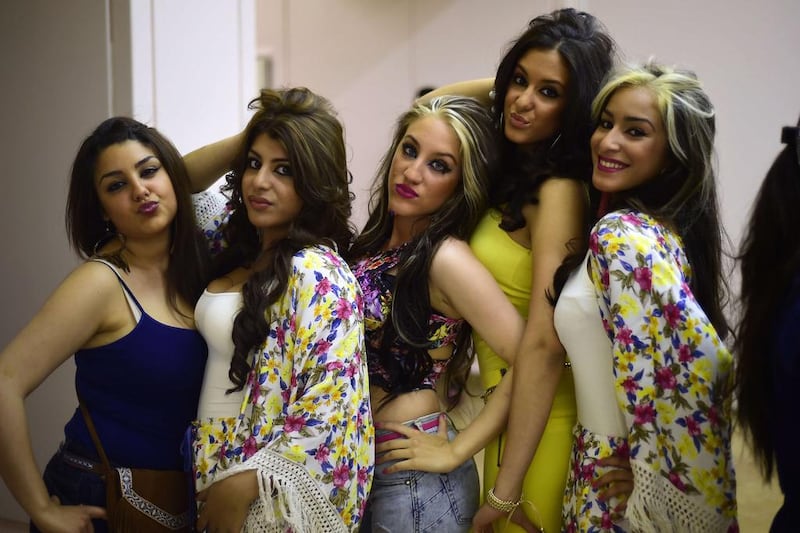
x,y
580,330
213,316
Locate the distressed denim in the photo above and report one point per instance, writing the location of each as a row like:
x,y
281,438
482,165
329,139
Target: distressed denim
x,y
416,502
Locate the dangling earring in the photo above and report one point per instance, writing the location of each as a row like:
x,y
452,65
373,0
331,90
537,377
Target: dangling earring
x,y
492,108
115,257
108,234
555,142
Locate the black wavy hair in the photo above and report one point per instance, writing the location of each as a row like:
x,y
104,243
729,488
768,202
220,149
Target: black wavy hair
x,y
588,53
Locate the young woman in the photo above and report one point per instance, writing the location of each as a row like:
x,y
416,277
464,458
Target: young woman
x,y
767,343
641,317
284,438
539,206
423,290
126,314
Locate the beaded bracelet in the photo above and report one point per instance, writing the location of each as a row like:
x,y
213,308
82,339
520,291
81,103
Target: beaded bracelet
x,y
505,506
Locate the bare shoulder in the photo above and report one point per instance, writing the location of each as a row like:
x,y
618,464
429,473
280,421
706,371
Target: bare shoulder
x,y
451,253
556,188
91,285
95,275
561,201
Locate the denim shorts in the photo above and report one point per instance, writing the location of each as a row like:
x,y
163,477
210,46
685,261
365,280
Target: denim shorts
x,y
415,502
73,485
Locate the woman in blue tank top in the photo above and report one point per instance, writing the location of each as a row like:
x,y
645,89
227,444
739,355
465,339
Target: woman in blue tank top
x,y
126,314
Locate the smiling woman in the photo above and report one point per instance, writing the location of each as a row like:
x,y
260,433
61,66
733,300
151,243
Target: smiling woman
x,y
629,146
641,317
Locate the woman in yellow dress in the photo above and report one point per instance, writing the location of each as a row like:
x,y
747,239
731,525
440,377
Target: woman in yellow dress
x,y
541,98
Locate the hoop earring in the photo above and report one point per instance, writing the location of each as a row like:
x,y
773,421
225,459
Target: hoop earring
x,y
104,239
115,257
555,142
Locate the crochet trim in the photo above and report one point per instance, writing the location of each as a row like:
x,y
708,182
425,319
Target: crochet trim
x,y
289,498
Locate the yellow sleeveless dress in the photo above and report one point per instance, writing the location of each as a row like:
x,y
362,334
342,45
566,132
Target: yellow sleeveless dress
x,y
510,264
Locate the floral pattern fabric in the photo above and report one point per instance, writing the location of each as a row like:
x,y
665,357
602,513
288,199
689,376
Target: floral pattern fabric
x,y
672,374
377,285
213,229
306,400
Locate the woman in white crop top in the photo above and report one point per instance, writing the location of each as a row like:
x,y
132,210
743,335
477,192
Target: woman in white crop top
x,y
641,317
284,437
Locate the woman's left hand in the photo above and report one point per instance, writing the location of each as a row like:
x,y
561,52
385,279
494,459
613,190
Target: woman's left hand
x,y
226,502
418,450
617,482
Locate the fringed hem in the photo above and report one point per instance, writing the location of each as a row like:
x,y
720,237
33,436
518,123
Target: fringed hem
x,y
289,498
658,506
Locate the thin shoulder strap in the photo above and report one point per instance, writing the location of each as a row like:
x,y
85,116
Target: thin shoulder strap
x,y
93,433
136,307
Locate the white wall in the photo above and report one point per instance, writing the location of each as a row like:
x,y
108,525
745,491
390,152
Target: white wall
x,y
49,101
745,53
184,66
370,57
193,67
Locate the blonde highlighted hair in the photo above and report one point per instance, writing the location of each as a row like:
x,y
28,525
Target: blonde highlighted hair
x,y
688,117
457,217
684,194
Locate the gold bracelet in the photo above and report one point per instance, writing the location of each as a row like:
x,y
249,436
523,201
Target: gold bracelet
x,y
505,506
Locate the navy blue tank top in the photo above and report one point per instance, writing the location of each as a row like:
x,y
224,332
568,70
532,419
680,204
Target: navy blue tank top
x,y
141,391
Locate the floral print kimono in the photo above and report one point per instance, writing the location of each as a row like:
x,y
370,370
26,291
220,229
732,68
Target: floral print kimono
x,y
672,376
305,422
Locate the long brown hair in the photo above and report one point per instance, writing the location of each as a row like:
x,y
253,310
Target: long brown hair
x,y
306,125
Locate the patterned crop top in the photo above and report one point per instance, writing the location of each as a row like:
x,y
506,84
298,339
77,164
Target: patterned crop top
x,y
377,286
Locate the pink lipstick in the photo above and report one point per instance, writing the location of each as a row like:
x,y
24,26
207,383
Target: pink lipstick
x,y
405,191
148,208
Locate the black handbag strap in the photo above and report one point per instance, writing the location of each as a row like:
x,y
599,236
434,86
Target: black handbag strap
x,y
93,433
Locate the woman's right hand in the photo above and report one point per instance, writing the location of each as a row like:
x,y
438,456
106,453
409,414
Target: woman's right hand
x,y
617,482
418,450
488,515
57,518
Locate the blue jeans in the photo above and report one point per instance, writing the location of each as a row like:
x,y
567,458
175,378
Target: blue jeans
x,y
415,502
75,486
